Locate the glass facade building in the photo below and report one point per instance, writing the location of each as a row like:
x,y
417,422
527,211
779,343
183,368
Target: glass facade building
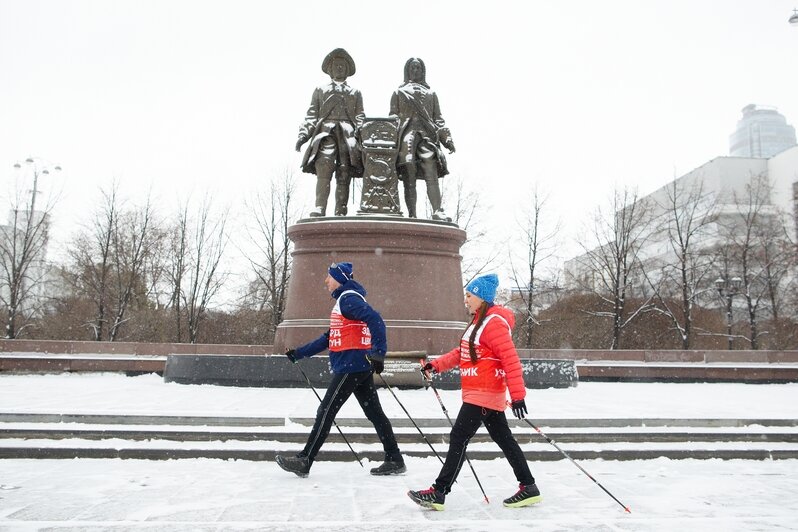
x,y
762,132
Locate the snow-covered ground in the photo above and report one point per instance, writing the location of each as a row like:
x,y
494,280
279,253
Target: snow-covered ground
x,y
206,494
148,394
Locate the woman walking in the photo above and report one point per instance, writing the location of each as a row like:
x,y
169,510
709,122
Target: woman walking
x,y
489,366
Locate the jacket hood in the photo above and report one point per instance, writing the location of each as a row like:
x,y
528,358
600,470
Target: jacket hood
x,y
505,313
349,285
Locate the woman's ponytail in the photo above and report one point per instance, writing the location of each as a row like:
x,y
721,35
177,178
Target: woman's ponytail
x,y
481,313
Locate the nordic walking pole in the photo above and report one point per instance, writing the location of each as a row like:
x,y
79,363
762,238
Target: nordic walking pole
x,y
410,418
446,413
334,423
577,465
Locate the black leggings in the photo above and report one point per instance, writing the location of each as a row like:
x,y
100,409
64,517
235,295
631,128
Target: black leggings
x,y
341,387
468,421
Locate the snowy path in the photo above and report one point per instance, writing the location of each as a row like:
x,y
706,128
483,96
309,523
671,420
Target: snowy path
x,y
216,495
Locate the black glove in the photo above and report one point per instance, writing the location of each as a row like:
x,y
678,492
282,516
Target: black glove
x,y
519,409
377,364
291,354
427,370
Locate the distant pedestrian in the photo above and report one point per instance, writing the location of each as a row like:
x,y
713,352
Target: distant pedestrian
x,y
489,366
357,343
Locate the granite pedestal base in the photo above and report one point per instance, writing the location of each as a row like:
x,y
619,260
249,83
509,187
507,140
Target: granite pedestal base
x,y
410,268
279,372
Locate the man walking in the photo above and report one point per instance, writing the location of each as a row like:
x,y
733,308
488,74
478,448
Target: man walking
x,y
357,343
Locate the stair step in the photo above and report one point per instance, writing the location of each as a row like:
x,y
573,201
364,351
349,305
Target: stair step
x,y
137,434
377,456
243,421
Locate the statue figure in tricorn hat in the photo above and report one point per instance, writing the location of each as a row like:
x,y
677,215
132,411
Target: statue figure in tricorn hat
x,y
334,115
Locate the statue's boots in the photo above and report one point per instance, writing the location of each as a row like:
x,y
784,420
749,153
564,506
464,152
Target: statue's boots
x,y
441,216
341,195
435,198
410,201
324,172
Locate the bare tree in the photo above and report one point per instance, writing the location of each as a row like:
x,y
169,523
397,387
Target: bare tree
x,y
131,242
109,259
539,248
613,264
90,252
687,215
467,214
777,260
176,267
465,202
271,215
759,248
194,274
23,244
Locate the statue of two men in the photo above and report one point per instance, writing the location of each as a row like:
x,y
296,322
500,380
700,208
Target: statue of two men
x,y
334,117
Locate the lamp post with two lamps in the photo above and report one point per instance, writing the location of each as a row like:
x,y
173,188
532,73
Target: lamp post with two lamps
x,y
37,170
728,288
24,247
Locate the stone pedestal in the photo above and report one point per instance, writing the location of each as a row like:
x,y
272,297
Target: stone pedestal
x,y
278,372
410,268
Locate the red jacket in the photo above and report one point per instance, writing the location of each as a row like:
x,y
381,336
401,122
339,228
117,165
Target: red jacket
x,y
497,368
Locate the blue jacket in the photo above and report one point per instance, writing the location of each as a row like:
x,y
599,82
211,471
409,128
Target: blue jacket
x,y
353,308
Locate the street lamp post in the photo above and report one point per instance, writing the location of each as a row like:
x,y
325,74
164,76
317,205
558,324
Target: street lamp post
x,y
38,169
24,246
728,288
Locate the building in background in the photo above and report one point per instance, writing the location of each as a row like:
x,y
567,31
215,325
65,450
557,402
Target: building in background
x,y
761,132
724,178
24,238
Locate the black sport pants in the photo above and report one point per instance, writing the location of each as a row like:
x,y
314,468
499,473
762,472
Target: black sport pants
x,y
468,421
341,387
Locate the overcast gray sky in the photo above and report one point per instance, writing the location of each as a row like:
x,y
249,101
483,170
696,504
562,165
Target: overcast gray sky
x,y
207,96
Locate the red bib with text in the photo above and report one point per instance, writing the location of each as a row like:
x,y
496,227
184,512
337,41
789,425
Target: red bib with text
x,y
487,374
346,334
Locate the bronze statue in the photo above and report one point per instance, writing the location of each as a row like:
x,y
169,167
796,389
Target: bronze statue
x,y
334,115
422,131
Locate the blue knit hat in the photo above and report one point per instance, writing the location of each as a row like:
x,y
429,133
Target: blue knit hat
x,y
341,271
484,287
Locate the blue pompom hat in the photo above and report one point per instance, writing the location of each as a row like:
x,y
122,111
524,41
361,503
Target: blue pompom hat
x,y
484,287
341,271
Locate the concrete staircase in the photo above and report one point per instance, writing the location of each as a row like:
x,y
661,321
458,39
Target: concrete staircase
x,y
54,436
